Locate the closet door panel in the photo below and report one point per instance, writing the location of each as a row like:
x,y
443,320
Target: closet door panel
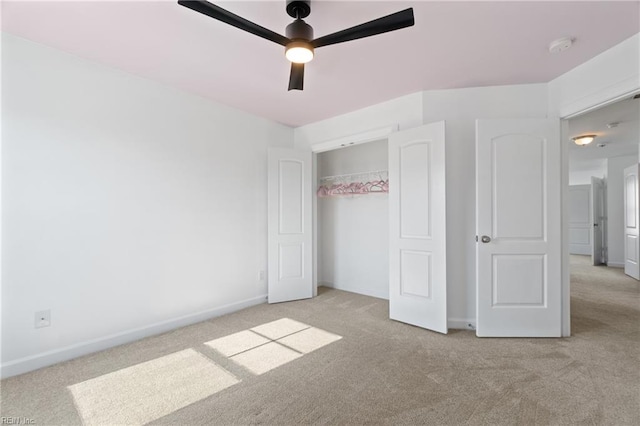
x,y
417,237
290,274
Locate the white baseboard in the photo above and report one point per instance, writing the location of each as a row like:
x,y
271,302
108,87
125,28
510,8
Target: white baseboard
x,y
615,264
44,359
580,250
358,290
461,323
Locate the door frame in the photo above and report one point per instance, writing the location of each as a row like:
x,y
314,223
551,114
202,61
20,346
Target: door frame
x,y
371,135
597,100
625,174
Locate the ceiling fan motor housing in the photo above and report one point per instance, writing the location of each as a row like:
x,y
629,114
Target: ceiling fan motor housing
x,y
299,8
299,30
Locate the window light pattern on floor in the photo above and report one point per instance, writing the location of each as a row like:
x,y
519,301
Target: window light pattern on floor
x,y
145,392
150,390
267,346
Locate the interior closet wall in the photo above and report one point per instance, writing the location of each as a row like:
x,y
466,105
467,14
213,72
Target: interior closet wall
x,y
353,235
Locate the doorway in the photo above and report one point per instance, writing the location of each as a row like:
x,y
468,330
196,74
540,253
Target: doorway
x,y
413,273
352,218
596,229
615,147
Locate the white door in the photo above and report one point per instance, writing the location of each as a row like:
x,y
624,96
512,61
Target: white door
x,y
518,227
289,225
417,237
631,222
580,224
598,223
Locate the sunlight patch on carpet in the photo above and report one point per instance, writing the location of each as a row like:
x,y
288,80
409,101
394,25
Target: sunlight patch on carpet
x,y
145,392
279,328
265,358
309,340
267,346
237,342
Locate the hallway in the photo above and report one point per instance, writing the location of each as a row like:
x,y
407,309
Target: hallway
x,y
604,301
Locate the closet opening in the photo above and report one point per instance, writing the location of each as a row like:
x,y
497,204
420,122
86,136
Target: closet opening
x,y
352,218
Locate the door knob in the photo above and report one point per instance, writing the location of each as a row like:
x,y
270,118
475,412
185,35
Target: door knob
x,y
485,239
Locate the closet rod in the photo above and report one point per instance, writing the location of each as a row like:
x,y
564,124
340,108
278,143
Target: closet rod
x,y
354,174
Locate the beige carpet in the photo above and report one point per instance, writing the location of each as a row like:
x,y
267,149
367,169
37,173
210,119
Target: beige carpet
x,y
380,371
137,395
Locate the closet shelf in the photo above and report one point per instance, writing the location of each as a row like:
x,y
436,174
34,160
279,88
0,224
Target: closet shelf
x,y
384,173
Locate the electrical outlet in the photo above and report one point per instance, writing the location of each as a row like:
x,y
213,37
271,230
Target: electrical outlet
x,y
262,274
43,318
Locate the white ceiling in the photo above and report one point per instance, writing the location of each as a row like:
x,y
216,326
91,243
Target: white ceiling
x,y
619,141
453,44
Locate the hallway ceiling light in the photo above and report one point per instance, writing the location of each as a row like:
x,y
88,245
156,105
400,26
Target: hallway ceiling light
x,y
583,140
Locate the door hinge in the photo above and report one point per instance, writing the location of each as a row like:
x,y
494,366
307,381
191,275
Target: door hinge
x,y
476,238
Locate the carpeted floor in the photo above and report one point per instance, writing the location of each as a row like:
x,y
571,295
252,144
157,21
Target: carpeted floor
x,y
378,372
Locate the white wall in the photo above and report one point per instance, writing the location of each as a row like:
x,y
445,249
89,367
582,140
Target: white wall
x,y
405,112
460,108
615,208
128,207
582,176
353,231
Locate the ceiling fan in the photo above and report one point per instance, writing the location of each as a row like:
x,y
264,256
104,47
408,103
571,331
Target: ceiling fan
x,y
299,42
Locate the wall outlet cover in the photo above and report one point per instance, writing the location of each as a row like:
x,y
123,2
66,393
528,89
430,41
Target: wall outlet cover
x,y
43,318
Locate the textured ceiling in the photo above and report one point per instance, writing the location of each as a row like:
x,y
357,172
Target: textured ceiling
x,y
452,45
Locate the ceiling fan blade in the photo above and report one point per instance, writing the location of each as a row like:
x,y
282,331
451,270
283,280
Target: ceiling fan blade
x,y
392,22
296,79
216,12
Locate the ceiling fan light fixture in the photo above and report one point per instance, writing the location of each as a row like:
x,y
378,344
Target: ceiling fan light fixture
x,y
583,140
299,52
299,42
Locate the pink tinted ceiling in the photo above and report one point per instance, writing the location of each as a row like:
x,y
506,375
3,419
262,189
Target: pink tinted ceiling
x,y
452,45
